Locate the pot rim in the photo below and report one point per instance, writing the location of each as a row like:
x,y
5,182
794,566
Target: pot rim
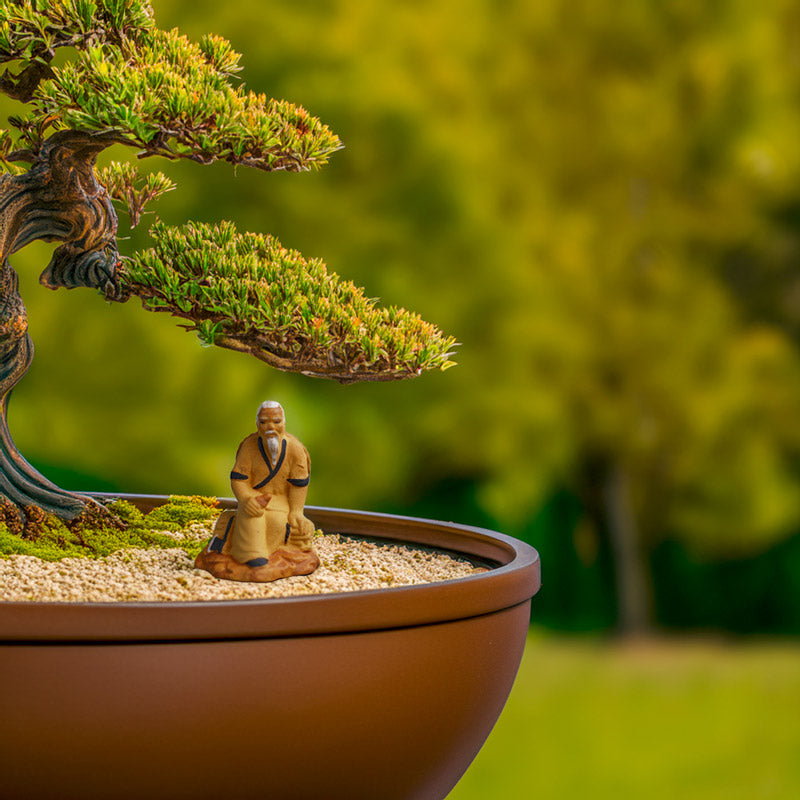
x,y
515,580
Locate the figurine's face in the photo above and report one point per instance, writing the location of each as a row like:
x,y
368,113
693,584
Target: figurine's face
x,y
270,422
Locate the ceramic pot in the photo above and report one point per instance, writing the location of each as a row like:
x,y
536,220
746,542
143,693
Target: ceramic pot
x,y
374,695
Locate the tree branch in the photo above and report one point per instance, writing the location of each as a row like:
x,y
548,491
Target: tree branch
x,y
22,85
21,155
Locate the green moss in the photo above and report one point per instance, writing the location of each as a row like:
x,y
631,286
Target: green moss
x,y
46,548
127,512
53,540
180,511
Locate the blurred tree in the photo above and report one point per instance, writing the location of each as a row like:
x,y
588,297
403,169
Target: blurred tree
x,y
658,141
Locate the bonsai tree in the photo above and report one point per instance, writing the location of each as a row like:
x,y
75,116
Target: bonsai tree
x,y
126,82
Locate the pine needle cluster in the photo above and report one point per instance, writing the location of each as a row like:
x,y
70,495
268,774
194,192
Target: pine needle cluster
x,y
127,186
247,292
31,30
148,88
171,97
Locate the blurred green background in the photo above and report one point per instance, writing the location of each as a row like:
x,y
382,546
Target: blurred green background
x,y
601,201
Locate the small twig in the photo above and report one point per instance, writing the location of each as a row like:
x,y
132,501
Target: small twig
x,y
24,154
22,86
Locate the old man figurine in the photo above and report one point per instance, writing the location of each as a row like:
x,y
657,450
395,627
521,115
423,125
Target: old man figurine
x,y
267,537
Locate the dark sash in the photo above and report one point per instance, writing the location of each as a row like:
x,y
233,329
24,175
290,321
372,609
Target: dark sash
x,y
273,471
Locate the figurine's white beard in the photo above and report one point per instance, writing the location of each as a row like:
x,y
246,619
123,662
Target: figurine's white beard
x,y
273,441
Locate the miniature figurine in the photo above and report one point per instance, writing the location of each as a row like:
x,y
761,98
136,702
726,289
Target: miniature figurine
x,y
267,537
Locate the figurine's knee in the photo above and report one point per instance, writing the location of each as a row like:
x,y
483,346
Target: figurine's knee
x,y
248,538
303,536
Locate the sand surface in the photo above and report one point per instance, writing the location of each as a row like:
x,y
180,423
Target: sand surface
x,y
151,575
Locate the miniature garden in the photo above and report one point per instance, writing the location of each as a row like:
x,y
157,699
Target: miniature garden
x,y
127,82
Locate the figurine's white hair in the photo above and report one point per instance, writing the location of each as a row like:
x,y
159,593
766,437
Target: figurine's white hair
x,y
270,404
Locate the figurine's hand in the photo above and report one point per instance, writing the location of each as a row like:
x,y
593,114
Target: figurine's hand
x,y
254,506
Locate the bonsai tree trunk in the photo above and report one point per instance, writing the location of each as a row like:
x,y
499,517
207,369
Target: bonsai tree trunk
x,y
58,199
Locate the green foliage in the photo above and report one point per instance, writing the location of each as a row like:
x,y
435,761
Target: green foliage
x,y
219,53
636,337
55,540
126,185
148,88
136,85
247,292
31,30
173,98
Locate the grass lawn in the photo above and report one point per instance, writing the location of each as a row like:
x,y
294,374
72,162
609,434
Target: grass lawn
x,y
683,719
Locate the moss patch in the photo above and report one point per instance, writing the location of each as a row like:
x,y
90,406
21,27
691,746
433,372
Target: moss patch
x,y
96,535
180,511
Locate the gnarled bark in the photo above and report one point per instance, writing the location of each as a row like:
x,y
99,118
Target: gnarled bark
x,y
58,199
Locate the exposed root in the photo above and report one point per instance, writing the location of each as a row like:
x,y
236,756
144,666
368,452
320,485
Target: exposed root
x,y
36,522
95,517
10,516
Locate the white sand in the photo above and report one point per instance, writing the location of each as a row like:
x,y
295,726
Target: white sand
x,y
140,575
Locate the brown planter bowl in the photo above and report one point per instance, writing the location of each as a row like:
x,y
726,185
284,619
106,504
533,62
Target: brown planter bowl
x,y
374,695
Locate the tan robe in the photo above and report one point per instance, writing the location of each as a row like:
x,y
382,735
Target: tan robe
x,y
286,482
